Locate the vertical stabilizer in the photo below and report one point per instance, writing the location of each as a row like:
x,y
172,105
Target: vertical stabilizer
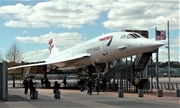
x,y
53,51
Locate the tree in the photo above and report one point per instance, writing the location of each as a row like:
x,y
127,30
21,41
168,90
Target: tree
x,y
14,55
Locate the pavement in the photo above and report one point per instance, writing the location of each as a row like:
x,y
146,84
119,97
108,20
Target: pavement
x,y
77,99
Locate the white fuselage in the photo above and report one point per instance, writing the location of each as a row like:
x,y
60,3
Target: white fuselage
x,y
107,47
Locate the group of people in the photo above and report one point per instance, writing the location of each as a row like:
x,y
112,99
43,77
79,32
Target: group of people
x,y
28,83
46,82
97,85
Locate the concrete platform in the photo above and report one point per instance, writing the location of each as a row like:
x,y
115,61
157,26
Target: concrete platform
x,y
77,99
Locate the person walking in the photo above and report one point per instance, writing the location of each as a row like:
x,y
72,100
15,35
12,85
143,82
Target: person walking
x,y
26,83
97,85
89,85
104,85
64,81
31,88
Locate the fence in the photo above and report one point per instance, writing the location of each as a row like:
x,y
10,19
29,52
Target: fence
x,y
165,86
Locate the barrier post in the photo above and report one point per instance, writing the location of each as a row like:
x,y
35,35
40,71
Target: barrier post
x,y
3,82
1,69
121,93
178,92
140,93
159,93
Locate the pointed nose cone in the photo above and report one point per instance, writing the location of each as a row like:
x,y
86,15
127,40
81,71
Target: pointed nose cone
x,y
143,45
159,43
152,44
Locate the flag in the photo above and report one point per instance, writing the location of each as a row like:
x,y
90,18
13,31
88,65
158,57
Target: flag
x,y
160,35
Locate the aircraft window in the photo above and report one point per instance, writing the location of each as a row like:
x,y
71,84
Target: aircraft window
x,y
140,36
134,35
137,35
131,36
123,37
128,37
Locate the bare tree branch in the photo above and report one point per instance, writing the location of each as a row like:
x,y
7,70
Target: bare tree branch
x,y
14,54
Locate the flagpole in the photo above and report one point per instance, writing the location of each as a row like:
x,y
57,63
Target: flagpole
x,y
169,57
157,73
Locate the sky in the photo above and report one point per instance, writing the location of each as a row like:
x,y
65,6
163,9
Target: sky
x,y
31,23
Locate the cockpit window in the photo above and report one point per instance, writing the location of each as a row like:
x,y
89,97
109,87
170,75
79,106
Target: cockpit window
x,y
128,37
123,37
134,35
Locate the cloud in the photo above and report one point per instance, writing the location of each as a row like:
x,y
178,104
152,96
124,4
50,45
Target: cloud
x,y
122,14
175,42
62,39
25,32
24,0
174,51
58,13
142,15
163,55
34,56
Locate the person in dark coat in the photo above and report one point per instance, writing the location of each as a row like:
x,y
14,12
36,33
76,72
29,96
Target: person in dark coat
x,y
81,85
141,84
42,81
90,86
104,85
56,87
26,83
64,81
31,87
47,82
97,85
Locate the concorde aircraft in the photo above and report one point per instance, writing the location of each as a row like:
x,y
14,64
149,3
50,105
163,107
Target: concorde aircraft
x,y
101,49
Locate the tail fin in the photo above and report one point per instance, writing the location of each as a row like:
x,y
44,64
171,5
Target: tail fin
x,y
53,51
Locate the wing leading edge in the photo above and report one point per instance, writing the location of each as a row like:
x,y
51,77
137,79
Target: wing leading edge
x,y
65,63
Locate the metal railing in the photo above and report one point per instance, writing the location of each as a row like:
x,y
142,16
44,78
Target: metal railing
x,y
165,86
137,59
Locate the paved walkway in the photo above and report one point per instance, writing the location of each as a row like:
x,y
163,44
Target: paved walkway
x,y
77,99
